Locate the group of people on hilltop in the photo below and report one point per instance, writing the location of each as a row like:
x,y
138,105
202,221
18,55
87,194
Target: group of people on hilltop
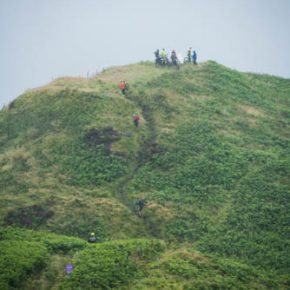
x,y
162,59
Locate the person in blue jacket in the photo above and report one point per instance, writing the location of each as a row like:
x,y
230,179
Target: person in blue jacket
x,y
194,57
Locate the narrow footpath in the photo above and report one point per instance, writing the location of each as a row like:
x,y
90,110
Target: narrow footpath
x,y
144,154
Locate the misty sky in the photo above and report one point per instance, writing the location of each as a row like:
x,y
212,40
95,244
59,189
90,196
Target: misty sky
x,y
44,39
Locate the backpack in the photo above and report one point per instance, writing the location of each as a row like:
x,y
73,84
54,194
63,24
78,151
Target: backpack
x,y
122,85
136,118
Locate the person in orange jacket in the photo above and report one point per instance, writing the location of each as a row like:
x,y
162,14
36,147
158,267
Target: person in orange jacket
x,y
136,119
123,87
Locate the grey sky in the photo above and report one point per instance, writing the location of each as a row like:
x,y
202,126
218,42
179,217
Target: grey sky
x,y
44,39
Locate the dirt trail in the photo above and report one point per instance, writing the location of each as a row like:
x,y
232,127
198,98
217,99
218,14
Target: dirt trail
x,y
145,151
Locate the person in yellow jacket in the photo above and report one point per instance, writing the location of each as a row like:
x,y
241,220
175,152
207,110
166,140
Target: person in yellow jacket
x,y
163,55
92,238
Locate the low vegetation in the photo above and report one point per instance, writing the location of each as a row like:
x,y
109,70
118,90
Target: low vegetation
x,y
211,158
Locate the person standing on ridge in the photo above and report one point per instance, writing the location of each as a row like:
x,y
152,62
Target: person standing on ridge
x,y
157,57
123,87
173,56
156,53
136,120
174,59
163,56
194,57
189,54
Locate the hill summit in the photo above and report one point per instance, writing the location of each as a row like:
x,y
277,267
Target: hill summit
x,y
210,159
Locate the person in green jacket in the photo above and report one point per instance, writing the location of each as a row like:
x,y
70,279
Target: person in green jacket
x,y
163,56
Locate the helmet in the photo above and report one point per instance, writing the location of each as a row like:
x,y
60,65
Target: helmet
x,y
92,234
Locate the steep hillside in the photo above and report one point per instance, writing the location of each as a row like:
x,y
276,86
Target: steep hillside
x,y
211,157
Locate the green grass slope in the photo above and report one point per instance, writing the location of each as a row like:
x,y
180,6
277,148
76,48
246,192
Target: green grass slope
x,y
211,157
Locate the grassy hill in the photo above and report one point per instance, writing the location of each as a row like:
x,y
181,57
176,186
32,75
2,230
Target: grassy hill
x,y
211,157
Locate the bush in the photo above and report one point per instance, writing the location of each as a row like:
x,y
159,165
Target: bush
x,y
54,243
19,259
110,265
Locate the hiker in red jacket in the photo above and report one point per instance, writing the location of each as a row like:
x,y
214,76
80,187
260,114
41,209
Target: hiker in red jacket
x,y
136,120
123,87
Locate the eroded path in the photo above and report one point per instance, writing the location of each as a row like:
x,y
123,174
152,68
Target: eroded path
x,y
145,151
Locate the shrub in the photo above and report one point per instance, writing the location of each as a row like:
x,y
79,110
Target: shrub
x,y
110,265
17,260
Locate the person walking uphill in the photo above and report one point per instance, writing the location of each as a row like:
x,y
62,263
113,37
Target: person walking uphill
x,y
136,119
139,205
123,87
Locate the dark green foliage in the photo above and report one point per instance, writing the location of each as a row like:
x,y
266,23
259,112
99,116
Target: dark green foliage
x,y
220,274
54,243
110,265
236,183
26,253
87,161
188,227
211,158
102,269
84,165
200,159
19,259
46,113
252,223
87,166
190,270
